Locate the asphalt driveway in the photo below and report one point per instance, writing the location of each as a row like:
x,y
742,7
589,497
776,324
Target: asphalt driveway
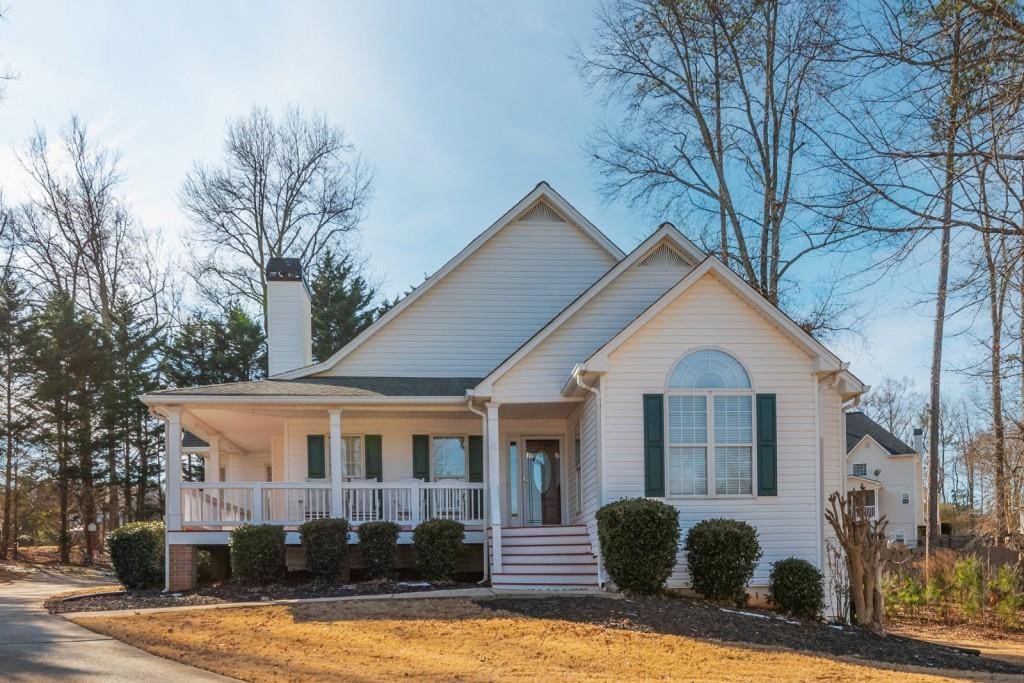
x,y
35,645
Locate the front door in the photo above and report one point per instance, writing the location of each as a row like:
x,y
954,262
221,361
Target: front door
x,y
542,482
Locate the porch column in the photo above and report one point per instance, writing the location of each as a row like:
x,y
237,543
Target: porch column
x,y
336,468
213,460
494,483
173,448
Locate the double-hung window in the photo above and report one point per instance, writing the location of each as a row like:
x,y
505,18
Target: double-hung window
x,y
352,456
448,459
710,426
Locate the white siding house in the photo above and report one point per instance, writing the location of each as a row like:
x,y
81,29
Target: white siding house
x,y
890,473
539,374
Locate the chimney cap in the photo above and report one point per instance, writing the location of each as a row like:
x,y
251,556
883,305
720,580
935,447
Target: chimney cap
x,y
284,270
918,431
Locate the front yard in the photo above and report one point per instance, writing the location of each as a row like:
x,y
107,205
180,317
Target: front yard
x,y
540,638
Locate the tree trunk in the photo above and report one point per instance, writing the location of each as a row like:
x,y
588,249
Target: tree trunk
x,y
5,532
942,286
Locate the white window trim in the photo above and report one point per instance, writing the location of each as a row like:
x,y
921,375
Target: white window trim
x,y
327,457
709,446
344,460
853,469
465,455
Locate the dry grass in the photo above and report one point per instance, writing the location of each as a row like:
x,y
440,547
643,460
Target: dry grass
x,y
1007,646
453,640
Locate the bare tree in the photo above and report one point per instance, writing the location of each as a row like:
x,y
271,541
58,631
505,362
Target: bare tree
x,y
286,188
719,99
6,74
894,404
862,540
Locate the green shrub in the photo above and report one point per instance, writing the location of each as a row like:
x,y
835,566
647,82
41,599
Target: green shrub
x,y
379,544
796,587
257,553
325,542
639,541
722,555
969,581
137,553
438,544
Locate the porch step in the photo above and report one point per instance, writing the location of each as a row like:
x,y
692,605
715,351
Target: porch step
x,y
545,558
534,531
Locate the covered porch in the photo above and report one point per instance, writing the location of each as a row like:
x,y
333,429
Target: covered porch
x,y
486,466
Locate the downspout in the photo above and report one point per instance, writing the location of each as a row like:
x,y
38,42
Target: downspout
x,y
578,375
487,474
820,447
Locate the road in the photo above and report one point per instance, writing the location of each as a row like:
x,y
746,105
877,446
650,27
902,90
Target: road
x,y
37,646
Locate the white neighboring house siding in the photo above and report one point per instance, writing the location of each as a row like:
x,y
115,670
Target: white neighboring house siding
x,y
899,474
289,327
540,375
486,307
708,314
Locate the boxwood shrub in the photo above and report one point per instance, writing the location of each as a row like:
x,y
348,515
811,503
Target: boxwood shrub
x,y
137,553
639,540
721,555
378,542
325,542
257,553
438,544
796,588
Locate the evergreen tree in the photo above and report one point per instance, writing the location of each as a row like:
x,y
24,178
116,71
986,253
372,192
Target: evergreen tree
x,y
14,369
212,350
342,302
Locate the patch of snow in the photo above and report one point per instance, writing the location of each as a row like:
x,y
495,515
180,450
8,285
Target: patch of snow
x,y
413,584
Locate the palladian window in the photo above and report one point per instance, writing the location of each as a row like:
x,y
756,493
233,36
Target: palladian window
x,y
710,405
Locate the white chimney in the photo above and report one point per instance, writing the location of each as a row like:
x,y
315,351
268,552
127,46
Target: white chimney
x,y
289,324
918,440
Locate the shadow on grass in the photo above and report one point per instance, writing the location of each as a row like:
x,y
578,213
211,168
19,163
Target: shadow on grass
x,y
674,616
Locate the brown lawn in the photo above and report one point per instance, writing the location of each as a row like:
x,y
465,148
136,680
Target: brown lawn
x,y
455,640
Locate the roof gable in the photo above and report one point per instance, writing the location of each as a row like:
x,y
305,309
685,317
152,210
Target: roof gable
x,y
665,248
860,426
827,361
542,204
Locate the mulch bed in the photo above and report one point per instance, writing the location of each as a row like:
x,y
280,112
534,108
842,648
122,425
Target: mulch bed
x,y
704,620
229,592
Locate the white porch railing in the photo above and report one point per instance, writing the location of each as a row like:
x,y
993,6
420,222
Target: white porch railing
x,y
229,504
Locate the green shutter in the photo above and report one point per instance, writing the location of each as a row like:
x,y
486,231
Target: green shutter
x,y
767,448
374,461
421,456
476,458
316,465
654,445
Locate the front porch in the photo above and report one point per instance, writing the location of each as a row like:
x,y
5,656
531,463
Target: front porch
x,y
485,466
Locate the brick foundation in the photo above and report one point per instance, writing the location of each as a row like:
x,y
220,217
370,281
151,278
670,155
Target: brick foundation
x,y
181,565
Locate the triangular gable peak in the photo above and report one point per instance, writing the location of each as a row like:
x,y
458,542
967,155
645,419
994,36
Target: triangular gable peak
x,y
543,205
826,362
666,249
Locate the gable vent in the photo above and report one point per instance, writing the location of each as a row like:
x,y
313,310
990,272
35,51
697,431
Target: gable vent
x,y
663,257
542,213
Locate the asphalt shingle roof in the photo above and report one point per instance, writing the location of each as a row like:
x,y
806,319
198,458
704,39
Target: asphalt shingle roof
x,y
341,387
859,425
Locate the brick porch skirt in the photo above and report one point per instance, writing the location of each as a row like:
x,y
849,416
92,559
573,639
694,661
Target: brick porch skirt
x,y
181,567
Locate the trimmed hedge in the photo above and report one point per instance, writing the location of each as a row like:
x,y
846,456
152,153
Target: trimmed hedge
x,y
639,541
137,553
257,553
325,542
438,544
378,542
796,587
721,555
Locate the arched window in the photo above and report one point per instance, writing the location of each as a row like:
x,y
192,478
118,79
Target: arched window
x,y
710,426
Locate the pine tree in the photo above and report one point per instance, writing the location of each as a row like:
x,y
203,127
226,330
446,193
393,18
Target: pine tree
x,y
342,302
208,350
14,369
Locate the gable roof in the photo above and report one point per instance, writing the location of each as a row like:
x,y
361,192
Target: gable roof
x,y
828,361
666,233
859,425
326,387
541,193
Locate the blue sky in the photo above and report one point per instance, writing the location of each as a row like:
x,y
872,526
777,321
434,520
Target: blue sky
x,y
461,107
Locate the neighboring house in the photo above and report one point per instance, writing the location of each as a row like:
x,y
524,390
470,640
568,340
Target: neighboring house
x,y
889,474
538,375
